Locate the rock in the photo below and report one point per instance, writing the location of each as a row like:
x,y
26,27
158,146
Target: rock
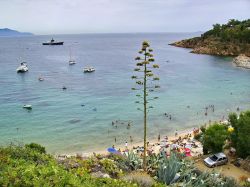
x,y
246,164
242,61
106,175
213,46
238,162
99,174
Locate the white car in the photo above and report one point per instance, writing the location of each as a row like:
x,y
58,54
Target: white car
x,y
216,160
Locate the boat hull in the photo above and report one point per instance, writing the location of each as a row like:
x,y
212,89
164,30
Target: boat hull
x,y
53,43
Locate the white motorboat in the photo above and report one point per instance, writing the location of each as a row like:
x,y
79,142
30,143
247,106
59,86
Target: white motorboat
x,y
29,107
88,69
22,68
72,62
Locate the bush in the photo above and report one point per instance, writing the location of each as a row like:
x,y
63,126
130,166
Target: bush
x,y
240,136
198,136
29,166
36,147
110,167
214,138
141,178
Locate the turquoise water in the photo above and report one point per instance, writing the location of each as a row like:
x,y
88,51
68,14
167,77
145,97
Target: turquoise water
x,y
58,120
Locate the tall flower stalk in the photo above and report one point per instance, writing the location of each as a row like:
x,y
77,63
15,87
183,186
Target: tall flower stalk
x,y
145,83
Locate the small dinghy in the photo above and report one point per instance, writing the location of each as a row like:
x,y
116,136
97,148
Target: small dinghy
x,y
29,107
40,79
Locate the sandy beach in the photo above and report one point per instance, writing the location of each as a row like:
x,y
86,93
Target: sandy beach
x,y
153,145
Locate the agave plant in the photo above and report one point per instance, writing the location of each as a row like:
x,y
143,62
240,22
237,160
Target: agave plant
x,y
134,161
208,179
168,168
153,162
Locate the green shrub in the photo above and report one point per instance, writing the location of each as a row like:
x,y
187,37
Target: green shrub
x,y
36,147
110,167
240,136
214,138
25,166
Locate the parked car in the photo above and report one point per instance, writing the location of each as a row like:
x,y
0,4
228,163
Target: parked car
x,y
216,160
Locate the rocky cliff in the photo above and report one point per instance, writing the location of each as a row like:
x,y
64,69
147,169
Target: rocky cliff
x,y
214,46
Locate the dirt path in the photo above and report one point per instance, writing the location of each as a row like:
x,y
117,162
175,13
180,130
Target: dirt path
x,y
228,170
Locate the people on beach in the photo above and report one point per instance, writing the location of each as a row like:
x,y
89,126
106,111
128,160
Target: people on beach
x,y
166,138
131,139
176,133
128,127
126,145
159,137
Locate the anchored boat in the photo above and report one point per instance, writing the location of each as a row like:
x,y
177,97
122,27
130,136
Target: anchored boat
x,y
28,107
53,42
88,69
22,68
71,60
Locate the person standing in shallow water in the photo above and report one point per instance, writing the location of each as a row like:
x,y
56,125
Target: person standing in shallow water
x,y
159,137
126,145
131,139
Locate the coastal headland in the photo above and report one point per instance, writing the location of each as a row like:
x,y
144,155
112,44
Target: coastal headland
x,y
231,39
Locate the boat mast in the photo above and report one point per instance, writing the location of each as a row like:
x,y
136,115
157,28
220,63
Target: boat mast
x,y
70,54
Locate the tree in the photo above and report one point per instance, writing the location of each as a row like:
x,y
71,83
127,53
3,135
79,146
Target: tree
x,y
240,137
145,84
214,138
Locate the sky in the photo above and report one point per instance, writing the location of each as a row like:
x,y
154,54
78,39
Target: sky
x,y
118,16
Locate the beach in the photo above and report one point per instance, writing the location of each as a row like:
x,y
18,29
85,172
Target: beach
x,y
154,145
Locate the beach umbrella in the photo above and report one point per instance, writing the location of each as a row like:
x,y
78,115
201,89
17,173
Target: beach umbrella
x,y
112,150
187,152
174,146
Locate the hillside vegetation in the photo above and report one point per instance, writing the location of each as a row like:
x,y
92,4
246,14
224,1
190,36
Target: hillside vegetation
x,y
230,39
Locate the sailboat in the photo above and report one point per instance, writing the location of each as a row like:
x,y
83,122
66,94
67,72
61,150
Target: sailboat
x,y
71,61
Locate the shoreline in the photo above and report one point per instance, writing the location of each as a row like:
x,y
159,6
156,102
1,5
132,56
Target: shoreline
x,y
152,141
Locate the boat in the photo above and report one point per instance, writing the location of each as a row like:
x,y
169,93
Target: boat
x,y
88,69
71,61
22,68
53,42
29,107
40,79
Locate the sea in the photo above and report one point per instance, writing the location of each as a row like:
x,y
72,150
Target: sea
x,y
94,111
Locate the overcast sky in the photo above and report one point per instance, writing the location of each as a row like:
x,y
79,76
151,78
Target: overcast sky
x,y
102,16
